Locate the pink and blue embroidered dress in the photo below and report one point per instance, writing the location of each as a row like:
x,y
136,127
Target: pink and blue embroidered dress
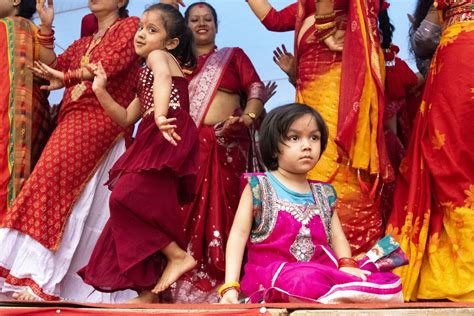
x,y
289,254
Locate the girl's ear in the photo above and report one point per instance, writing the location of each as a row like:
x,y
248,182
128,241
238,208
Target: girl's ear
x,y
16,3
172,43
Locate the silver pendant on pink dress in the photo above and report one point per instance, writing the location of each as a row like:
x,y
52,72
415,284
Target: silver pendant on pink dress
x,y
303,248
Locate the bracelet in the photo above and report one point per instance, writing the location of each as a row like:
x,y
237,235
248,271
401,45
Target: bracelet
x,y
46,40
325,16
73,77
234,285
325,26
322,35
347,263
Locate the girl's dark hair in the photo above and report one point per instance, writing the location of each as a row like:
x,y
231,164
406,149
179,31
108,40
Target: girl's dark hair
x,y
27,8
275,128
386,28
211,8
175,27
123,11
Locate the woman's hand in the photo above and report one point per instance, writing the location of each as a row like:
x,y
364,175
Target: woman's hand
x,y
45,13
356,272
100,77
285,60
269,91
55,77
167,129
335,42
236,123
230,297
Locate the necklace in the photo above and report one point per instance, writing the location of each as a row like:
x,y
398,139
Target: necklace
x,y
79,89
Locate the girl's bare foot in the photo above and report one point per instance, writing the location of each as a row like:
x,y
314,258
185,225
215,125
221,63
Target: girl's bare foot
x,y
175,268
25,295
145,297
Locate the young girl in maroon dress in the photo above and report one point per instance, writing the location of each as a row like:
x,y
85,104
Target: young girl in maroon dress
x,y
141,247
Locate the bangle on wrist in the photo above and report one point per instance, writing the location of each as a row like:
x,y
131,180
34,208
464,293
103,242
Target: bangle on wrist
x,y
325,26
347,263
224,288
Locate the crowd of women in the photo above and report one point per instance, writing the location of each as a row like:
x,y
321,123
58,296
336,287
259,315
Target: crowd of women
x,y
391,146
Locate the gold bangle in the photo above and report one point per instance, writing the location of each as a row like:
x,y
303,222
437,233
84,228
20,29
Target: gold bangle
x,y
325,26
325,16
228,285
332,32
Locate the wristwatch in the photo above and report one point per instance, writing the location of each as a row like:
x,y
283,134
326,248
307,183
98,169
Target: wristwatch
x,y
252,115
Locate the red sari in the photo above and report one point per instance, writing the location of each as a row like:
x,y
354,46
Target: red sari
x,y
223,159
433,214
347,89
84,135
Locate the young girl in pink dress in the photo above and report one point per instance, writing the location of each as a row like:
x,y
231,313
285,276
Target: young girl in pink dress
x,y
142,245
296,249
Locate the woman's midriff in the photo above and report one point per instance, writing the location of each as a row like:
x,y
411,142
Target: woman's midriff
x,y
222,106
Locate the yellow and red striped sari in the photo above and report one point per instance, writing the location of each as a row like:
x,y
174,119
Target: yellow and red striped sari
x,y
433,215
347,89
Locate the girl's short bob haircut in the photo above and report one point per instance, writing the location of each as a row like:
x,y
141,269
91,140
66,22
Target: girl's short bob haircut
x,y
275,128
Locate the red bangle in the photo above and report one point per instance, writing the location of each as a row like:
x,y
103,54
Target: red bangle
x,y
347,263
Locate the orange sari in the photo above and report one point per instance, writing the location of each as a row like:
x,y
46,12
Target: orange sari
x,y
433,215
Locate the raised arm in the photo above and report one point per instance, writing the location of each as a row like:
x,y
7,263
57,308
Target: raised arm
x,y
235,248
123,116
273,20
45,33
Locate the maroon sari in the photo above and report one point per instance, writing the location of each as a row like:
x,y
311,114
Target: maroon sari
x,y
222,160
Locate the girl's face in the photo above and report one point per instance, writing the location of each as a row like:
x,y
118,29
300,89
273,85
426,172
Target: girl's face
x,y
301,149
151,34
202,24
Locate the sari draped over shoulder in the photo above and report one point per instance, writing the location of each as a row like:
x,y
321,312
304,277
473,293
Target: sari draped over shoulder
x,y
434,198
223,158
347,89
24,108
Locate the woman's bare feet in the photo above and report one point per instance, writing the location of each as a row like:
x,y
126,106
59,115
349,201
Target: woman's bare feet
x,y
25,295
145,297
176,267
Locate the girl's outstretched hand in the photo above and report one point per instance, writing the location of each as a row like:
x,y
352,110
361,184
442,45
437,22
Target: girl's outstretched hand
x,y
100,76
167,129
55,77
230,297
356,272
